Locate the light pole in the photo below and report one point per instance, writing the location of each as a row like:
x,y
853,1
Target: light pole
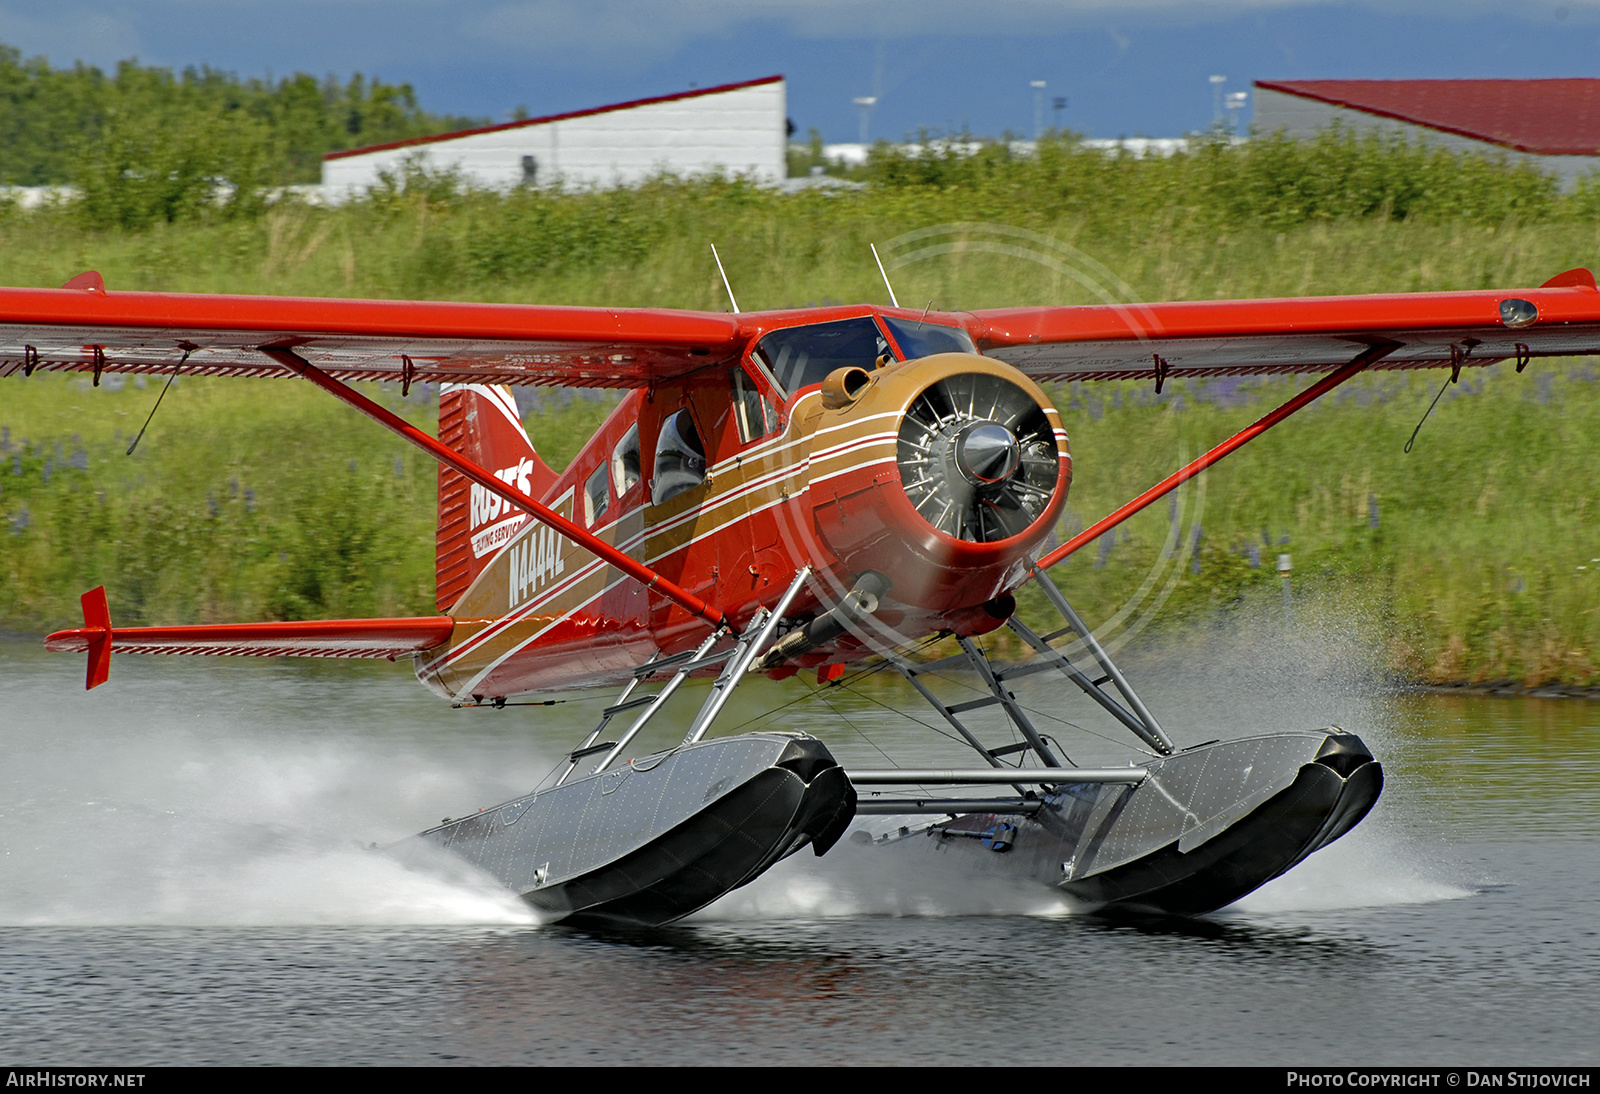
x,y
865,102
1038,107
1216,98
1235,103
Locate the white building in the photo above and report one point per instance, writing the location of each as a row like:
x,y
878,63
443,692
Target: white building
x,y
1552,124
736,128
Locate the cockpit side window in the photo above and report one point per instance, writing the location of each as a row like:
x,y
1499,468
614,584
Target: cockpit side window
x,y
680,458
755,415
802,356
625,462
596,496
926,339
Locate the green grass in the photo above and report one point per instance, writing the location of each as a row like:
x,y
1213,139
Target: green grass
x,y
246,499
1473,555
267,500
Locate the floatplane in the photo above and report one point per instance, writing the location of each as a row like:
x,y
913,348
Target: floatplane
x,y
787,491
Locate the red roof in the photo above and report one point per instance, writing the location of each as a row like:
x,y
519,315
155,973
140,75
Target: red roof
x,y
1544,117
554,117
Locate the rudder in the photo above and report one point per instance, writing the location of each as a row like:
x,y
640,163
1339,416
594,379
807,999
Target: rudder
x,y
480,422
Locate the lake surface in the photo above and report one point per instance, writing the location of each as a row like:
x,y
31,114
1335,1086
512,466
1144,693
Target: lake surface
x,y
185,879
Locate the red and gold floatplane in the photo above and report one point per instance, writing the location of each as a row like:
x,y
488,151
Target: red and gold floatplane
x,y
790,490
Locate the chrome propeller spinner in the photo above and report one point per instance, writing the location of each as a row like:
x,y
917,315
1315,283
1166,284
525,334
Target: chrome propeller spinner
x,y
986,453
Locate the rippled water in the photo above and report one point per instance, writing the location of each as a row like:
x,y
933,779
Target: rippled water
x,y
185,878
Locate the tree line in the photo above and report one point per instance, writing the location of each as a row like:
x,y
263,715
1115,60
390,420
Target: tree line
x,y
144,143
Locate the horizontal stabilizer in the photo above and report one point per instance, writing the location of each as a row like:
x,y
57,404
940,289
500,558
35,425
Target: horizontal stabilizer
x,y
386,638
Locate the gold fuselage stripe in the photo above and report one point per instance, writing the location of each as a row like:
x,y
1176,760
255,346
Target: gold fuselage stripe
x,y
772,472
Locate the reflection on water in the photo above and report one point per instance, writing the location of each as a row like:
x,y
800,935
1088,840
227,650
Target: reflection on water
x,y
187,878
1502,768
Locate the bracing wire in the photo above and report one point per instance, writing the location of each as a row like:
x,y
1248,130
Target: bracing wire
x,y
170,377
1448,381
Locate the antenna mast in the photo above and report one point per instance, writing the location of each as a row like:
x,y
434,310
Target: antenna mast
x,y
724,274
885,274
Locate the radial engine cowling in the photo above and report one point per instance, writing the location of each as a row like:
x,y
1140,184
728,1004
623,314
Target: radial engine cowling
x,y
951,472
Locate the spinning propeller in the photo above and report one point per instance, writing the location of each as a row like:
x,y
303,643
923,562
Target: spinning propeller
x,y
977,457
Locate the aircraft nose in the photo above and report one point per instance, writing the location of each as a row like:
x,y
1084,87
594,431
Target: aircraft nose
x,y
978,458
987,453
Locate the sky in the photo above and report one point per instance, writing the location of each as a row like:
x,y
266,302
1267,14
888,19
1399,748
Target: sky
x,y
1124,67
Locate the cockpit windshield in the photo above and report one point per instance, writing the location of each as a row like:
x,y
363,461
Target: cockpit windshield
x,y
798,357
801,356
926,339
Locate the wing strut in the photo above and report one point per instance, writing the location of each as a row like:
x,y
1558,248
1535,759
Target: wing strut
x,y
1238,440
486,479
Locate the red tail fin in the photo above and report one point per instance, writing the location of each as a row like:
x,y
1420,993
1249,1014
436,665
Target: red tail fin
x,y
481,423
97,625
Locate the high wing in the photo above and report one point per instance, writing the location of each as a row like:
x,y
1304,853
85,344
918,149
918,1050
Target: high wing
x,y
1309,334
82,327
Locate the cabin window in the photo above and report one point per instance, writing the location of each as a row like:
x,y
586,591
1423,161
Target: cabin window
x,y
625,462
802,356
680,458
926,339
755,415
596,496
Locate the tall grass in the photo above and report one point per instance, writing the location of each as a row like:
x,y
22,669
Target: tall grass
x,y
253,500
1473,558
246,499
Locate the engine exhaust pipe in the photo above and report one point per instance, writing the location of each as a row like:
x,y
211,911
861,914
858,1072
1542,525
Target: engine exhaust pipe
x,y
857,604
